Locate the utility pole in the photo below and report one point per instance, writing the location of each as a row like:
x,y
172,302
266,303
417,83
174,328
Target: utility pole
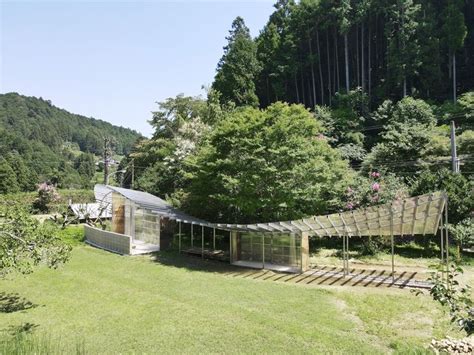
x,y
454,157
106,161
133,172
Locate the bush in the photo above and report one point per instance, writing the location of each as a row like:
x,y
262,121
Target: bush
x,y
47,194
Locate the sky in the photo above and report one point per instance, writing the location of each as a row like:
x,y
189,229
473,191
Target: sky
x,y
113,60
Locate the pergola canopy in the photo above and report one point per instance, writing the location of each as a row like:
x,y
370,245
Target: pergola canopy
x,y
418,215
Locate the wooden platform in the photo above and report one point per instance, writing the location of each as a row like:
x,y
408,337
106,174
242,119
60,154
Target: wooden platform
x,y
207,253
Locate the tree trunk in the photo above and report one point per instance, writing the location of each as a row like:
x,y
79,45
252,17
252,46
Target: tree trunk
x,y
303,91
369,84
296,86
357,56
346,57
363,56
337,87
321,82
312,70
454,77
329,66
268,91
404,86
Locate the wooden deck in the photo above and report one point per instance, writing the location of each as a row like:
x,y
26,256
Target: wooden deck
x,y
220,255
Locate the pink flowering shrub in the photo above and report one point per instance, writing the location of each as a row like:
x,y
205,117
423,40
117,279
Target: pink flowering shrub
x,y
373,190
46,194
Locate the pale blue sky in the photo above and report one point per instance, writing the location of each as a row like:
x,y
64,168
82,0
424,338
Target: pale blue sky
x,y
113,60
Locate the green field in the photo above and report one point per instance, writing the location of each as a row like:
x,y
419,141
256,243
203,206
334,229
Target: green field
x,y
104,303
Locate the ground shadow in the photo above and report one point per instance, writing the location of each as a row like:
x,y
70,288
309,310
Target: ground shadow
x,y
25,328
12,302
317,275
192,262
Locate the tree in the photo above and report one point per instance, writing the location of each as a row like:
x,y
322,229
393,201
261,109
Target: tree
x,y
25,178
85,165
403,47
8,181
264,165
408,129
458,187
454,31
25,242
238,68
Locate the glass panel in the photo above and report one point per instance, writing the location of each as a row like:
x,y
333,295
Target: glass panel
x,y
147,226
278,249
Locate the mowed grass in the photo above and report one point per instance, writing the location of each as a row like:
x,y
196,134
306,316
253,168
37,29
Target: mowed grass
x,y
177,304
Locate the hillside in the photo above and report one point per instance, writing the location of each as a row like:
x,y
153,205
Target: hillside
x,y
39,141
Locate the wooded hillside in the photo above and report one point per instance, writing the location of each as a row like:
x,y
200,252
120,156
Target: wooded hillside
x,y
39,141
309,50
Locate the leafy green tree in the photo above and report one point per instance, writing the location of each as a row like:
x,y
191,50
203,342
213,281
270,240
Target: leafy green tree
x,y
25,242
8,182
238,68
263,165
459,188
85,165
25,178
463,234
408,129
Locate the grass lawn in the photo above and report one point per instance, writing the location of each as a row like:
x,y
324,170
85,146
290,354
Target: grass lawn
x,y
109,304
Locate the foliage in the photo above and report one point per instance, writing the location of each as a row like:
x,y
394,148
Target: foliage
x,y
42,142
72,235
47,194
389,49
180,126
263,165
375,189
25,242
24,342
8,182
447,291
458,187
345,121
238,67
408,129
463,234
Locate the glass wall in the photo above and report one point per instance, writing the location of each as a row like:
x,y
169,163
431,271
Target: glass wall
x,y
269,248
147,226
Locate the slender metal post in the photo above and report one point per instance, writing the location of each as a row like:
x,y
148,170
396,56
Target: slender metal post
x,y
202,241
214,239
441,229
392,243
344,254
447,243
230,247
347,252
179,236
192,236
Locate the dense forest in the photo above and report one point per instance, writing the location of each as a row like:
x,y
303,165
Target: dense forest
x,y
310,50
335,105
41,142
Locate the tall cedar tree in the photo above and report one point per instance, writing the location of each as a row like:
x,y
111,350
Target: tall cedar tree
x,y
238,68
